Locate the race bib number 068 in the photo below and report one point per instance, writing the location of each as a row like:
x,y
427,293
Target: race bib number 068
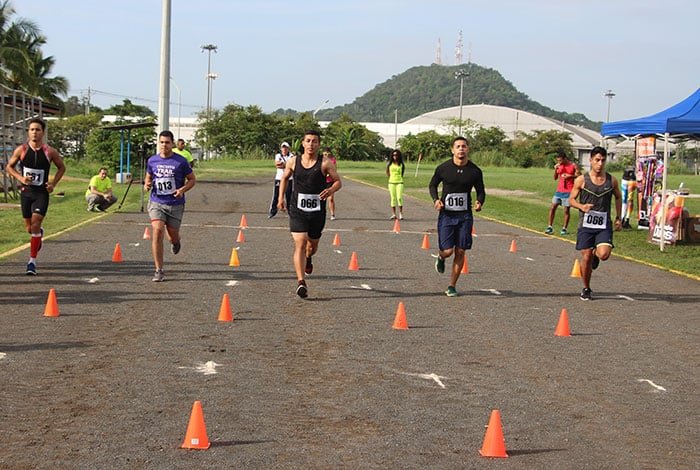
x,y
595,220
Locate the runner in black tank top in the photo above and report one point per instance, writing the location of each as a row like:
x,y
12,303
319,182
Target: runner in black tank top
x,y
307,210
594,191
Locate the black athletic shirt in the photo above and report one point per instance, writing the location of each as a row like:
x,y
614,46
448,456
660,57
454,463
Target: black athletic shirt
x,y
600,195
37,164
309,182
457,184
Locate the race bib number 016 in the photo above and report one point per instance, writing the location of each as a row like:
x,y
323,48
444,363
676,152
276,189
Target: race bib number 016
x,y
595,220
36,176
309,202
165,186
457,202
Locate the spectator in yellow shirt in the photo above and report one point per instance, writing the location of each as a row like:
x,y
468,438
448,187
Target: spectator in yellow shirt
x,y
99,193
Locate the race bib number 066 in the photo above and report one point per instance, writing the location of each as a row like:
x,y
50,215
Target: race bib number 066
x,y
309,202
595,220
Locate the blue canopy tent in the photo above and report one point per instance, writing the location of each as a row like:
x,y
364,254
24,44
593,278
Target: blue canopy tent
x,y
679,122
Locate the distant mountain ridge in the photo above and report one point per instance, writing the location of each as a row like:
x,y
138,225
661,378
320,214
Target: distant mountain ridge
x,y
421,89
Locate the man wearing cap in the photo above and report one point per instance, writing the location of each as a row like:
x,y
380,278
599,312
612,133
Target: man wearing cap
x,y
280,163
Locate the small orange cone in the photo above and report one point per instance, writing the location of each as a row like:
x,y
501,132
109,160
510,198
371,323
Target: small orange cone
x,y
51,309
336,240
196,436
494,443
146,234
426,242
513,247
117,255
465,266
234,261
240,238
576,270
244,222
563,325
354,265
400,322
225,313
397,226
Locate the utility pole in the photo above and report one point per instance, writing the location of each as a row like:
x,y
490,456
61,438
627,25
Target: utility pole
x,y
164,95
609,95
461,74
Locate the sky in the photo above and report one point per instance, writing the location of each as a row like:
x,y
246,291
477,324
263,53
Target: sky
x,y
565,54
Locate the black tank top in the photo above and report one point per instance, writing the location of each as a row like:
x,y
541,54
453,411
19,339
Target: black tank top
x,y
35,163
308,182
600,195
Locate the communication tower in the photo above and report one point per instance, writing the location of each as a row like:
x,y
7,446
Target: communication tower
x,y
458,49
438,53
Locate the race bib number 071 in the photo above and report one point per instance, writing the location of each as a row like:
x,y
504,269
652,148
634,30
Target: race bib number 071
x,y
36,176
595,220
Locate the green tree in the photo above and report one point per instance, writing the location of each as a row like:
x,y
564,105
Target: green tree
x,y
69,135
429,145
127,108
353,141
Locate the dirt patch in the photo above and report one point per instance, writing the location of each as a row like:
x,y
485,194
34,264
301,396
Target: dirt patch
x,y
509,192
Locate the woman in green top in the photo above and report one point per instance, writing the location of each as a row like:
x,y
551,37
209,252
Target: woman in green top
x,y
394,170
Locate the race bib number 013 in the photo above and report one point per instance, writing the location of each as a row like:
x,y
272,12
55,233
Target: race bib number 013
x,y
36,176
165,186
457,202
309,202
595,220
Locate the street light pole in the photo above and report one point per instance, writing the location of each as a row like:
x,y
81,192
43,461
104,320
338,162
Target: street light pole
x,y
609,95
179,107
319,108
461,74
209,48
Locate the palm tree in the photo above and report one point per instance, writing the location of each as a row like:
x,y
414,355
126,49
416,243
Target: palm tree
x,y
22,64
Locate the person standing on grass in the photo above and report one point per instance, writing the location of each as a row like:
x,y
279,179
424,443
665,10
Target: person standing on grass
x,y
594,238
565,172
458,177
395,170
169,176
307,208
35,159
280,164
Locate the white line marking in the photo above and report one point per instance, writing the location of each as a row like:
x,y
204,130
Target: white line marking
x,y
493,291
657,387
207,368
625,297
338,251
231,283
134,244
92,280
2,355
529,259
362,286
435,377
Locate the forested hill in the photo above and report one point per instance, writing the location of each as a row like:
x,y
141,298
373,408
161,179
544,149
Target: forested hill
x,y
427,88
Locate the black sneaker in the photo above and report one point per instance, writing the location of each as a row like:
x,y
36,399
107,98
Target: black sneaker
x,y
31,269
302,291
309,266
586,293
440,265
595,263
175,248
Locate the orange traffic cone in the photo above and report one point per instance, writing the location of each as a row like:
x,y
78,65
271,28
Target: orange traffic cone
x,y
336,240
117,255
196,436
225,313
240,238
426,242
494,443
465,266
513,247
563,325
51,309
400,322
354,265
576,270
234,261
397,226
244,222
146,234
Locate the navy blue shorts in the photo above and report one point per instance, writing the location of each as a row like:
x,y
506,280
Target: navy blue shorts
x,y
587,238
34,202
455,230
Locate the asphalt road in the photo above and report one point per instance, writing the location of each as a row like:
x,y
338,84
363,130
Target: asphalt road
x,y
326,382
